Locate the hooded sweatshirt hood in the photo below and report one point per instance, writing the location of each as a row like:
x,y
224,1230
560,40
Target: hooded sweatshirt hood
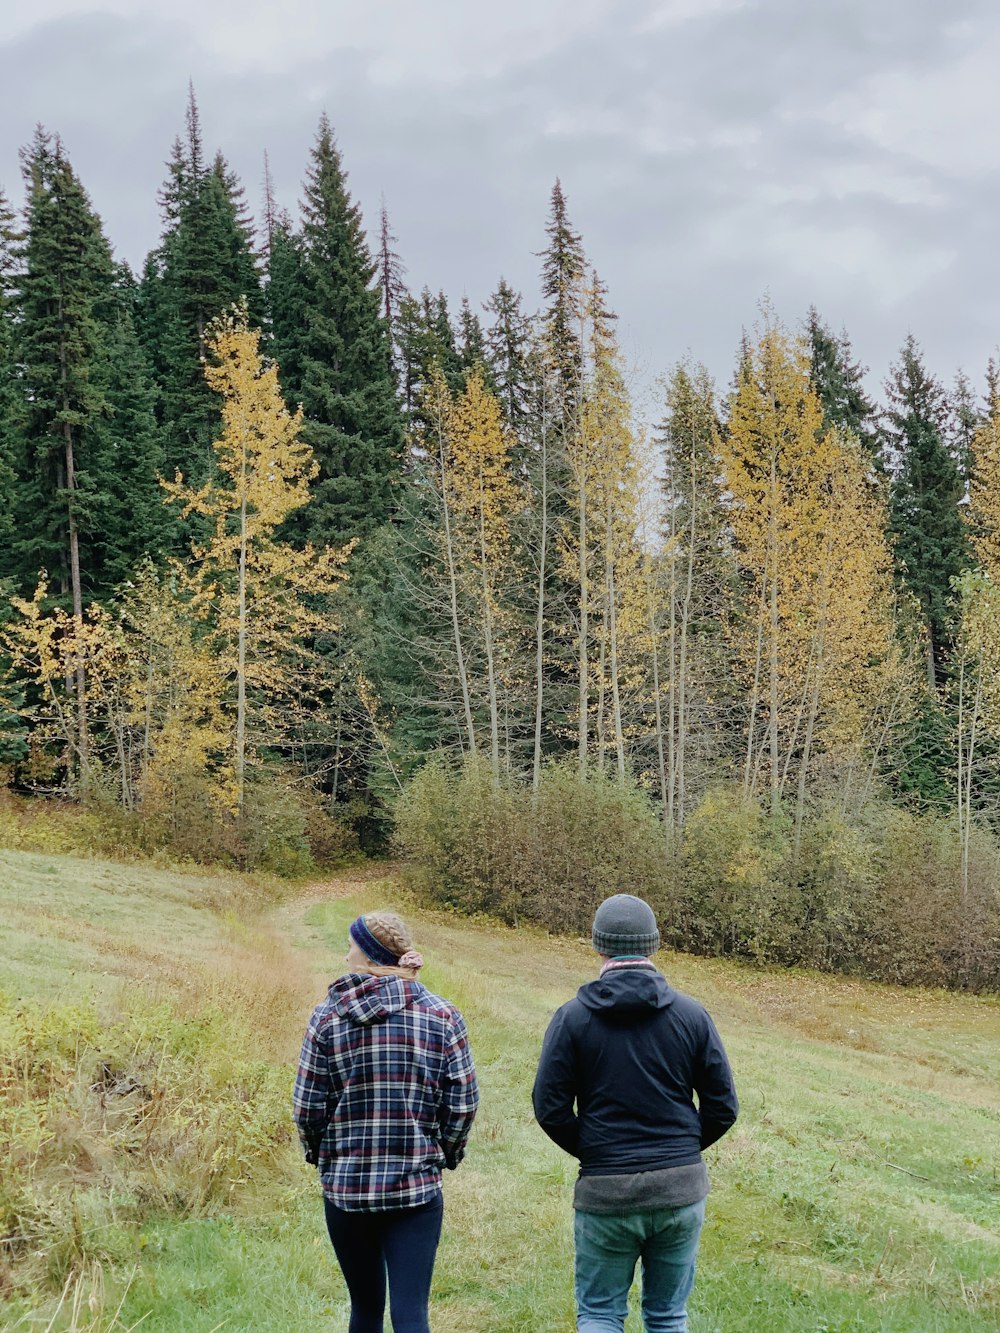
x,y
627,993
368,999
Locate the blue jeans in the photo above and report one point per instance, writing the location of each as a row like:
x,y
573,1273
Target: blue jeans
x,y
608,1246
399,1245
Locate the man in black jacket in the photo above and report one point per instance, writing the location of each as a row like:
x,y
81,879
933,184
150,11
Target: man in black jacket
x,y
615,1087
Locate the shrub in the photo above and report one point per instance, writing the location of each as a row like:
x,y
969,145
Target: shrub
x,y
107,1121
922,928
879,894
736,892
488,845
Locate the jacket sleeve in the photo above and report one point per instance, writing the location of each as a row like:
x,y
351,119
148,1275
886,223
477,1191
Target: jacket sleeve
x,y
460,1094
554,1093
718,1106
311,1095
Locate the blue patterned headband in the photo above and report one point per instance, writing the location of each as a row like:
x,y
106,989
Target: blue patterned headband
x,y
370,946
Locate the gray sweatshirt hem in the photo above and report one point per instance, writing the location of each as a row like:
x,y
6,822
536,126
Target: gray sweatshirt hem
x,y
642,1191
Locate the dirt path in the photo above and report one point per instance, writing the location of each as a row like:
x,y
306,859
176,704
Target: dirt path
x,y
301,955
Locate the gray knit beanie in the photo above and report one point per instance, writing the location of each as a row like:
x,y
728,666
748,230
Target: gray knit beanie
x,y
625,925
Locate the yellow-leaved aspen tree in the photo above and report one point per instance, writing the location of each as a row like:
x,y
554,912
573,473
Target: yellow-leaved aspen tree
x,y
984,493
848,619
46,646
263,598
542,560
176,697
978,688
978,684
774,456
808,536
482,495
437,407
601,540
615,521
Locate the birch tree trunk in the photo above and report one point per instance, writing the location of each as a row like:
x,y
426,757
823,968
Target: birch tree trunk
x,y
583,728
536,766
453,594
612,617
241,658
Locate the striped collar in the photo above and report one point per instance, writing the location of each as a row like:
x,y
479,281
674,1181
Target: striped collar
x,y
613,964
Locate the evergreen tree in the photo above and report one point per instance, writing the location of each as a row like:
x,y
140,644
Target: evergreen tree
x,y
427,342
508,355
132,521
391,271
564,270
10,398
472,344
286,305
964,418
837,380
352,419
930,540
67,277
204,265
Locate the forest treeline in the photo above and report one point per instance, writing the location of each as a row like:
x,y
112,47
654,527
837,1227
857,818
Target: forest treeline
x,y
276,530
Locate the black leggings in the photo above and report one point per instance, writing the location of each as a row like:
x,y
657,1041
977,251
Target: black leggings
x,y
402,1243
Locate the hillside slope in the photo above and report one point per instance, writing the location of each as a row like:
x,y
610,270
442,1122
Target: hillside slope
x,y
860,1189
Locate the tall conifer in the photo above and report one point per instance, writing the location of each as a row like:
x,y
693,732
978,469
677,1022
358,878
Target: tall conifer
x,y
564,271
205,264
838,381
930,540
132,520
352,418
391,281
67,275
9,394
508,354
472,344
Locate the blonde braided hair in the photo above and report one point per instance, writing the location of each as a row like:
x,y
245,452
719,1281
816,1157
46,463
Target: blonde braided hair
x,y
390,929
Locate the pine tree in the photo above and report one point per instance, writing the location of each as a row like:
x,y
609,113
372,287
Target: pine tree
x,y
964,418
285,298
555,476
391,281
564,271
205,263
838,381
67,276
10,397
472,344
427,343
930,540
131,520
508,355
352,418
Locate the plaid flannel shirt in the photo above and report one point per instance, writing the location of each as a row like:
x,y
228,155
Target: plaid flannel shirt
x,y
386,1092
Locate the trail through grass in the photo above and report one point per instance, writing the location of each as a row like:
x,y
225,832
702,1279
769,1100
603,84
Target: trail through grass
x,y
860,1189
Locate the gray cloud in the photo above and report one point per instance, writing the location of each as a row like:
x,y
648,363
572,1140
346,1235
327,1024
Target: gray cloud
x,y
711,152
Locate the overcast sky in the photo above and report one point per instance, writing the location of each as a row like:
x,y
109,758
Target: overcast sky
x,y
843,153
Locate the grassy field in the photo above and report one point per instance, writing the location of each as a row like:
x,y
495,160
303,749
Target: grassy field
x,y
860,1189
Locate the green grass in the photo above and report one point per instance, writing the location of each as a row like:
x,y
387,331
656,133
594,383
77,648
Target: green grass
x,y
860,1189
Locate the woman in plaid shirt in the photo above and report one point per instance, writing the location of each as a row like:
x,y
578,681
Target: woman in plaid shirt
x,y
385,1097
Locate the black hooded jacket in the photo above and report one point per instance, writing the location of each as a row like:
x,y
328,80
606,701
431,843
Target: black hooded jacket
x,y
629,1053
